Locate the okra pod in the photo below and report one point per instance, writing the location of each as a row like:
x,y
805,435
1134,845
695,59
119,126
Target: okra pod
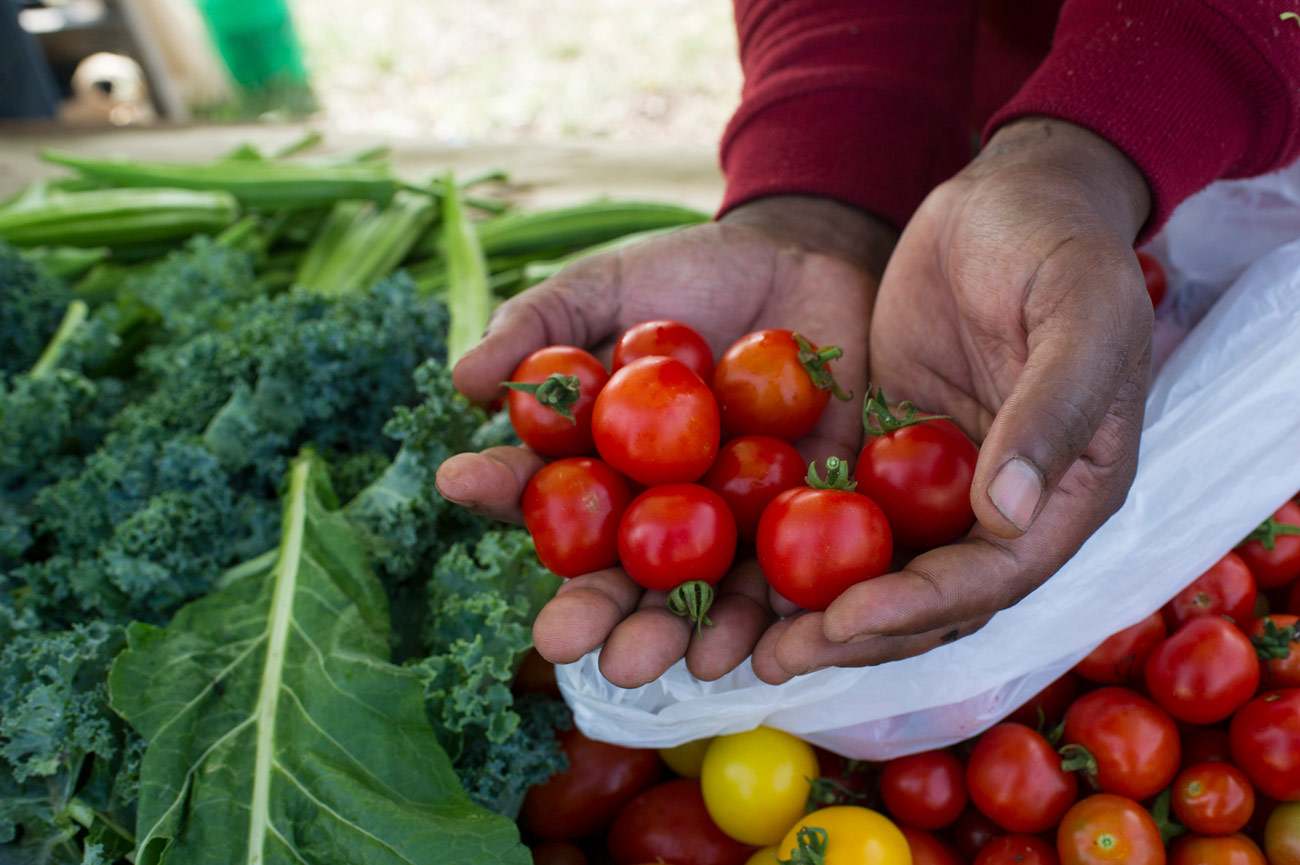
x,y
113,217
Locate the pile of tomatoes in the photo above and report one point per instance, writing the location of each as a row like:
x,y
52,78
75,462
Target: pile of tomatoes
x,y
1176,740
671,463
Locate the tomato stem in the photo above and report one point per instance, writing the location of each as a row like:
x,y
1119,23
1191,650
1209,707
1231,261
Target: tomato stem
x,y
828,791
1076,758
878,419
812,841
837,476
1275,642
814,360
1168,826
558,391
692,600
1269,531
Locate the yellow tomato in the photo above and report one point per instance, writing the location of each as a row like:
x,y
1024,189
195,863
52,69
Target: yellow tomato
x,y
687,758
756,783
764,856
853,836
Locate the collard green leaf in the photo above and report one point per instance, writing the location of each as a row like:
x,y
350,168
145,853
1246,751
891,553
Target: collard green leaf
x,y
278,730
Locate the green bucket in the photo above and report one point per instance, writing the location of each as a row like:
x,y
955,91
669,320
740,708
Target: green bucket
x,y
257,40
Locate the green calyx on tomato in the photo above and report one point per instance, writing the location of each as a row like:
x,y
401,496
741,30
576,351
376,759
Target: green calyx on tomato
x,y
692,600
878,419
1159,811
557,391
812,847
1275,643
838,476
814,360
827,791
1076,758
1269,531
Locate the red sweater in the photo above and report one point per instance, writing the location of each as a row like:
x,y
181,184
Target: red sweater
x,y
874,102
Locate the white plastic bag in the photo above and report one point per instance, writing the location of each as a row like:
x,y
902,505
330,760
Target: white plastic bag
x,y
1220,452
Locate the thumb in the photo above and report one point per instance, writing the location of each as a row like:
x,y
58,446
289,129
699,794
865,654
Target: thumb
x,y
1085,353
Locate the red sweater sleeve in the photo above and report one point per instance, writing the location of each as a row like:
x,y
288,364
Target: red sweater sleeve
x,y
865,102
1190,90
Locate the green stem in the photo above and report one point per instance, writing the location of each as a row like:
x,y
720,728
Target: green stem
x,y
878,419
1076,758
692,600
1269,531
1275,643
814,360
837,476
812,841
558,392
72,319
1168,826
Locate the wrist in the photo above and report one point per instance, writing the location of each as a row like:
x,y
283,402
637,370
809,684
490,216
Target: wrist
x,y
1102,171
821,225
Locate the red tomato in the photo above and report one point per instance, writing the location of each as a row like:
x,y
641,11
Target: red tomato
x,y
557,853
1121,657
971,831
1203,671
1265,740
1223,850
1282,835
1154,274
1015,777
1274,557
919,471
1226,589
813,543
1130,744
929,849
1017,850
656,422
663,338
749,472
584,798
926,790
572,508
1213,798
1106,828
553,417
1277,640
1045,709
1205,745
676,533
769,384
669,823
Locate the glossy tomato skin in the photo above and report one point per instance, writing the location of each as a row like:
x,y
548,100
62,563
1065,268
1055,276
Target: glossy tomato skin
x,y
664,338
1203,671
669,823
763,389
928,849
1226,589
1283,672
1134,742
584,798
1213,798
1282,835
1280,565
925,790
1121,658
920,476
656,422
1153,272
541,427
749,472
1017,850
813,544
756,783
855,836
1265,740
675,533
572,508
1219,850
1014,776
1105,828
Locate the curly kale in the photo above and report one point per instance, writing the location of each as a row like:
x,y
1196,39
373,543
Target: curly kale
x,y
31,304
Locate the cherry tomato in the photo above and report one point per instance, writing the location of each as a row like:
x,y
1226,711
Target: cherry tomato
x,y
919,471
1277,640
813,543
1213,798
584,798
749,472
1130,745
1017,850
687,758
572,508
669,823
971,831
1106,828
849,835
656,422
756,783
1046,708
1015,777
839,781
769,384
1226,589
1203,671
554,416
557,852
1271,552
1265,739
1205,745
663,338
676,533
1121,657
928,849
925,791
764,856
1222,850
1282,835
1154,274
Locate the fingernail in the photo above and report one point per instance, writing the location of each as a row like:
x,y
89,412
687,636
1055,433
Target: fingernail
x,y
1015,491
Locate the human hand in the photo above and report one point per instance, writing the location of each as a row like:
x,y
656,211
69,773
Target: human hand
x,y
806,264
1014,304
